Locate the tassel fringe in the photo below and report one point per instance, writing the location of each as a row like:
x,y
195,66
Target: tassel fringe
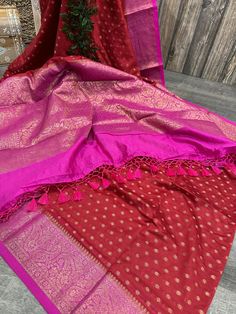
x,y
129,171
63,197
32,206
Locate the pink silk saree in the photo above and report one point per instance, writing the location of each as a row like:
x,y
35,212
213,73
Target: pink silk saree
x,y
142,19
116,196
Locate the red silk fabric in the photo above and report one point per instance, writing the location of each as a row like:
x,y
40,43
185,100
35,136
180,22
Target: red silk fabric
x,y
165,239
110,36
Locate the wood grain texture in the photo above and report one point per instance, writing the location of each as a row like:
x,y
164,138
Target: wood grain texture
x,y
168,14
223,44
206,30
199,38
187,21
229,73
159,3
215,96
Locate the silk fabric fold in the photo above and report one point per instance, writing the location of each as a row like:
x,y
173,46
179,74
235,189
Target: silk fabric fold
x,y
73,115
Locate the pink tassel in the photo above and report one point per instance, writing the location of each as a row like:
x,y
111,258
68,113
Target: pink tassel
x,y
43,199
120,178
105,183
94,185
63,197
205,173
181,172
137,174
193,173
77,196
32,206
154,168
171,172
216,169
130,175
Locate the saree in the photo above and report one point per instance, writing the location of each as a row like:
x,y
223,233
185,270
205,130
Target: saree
x,y
116,195
131,42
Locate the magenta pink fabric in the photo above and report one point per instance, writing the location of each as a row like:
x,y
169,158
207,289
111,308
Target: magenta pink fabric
x,y
27,280
62,121
142,18
60,274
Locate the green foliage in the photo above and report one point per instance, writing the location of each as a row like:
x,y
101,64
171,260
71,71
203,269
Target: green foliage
x,y
78,28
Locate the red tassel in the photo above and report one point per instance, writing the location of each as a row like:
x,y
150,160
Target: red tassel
x,y
181,172
94,185
205,173
63,197
193,173
43,199
32,206
171,172
130,175
105,183
154,168
216,169
137,174
77,196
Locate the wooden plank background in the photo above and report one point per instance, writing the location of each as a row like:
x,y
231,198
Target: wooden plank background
x,y
199,38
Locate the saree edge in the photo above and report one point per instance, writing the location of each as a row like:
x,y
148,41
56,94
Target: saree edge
x,y
158,41
26,279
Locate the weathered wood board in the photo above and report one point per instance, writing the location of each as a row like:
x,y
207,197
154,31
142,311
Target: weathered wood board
x,y
199,38
183,35
205,33
223,44
168,15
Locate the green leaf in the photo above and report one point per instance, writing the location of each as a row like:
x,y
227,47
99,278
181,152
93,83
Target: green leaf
x,y
78,27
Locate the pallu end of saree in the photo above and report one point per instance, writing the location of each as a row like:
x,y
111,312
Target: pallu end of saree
x,y
104,176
